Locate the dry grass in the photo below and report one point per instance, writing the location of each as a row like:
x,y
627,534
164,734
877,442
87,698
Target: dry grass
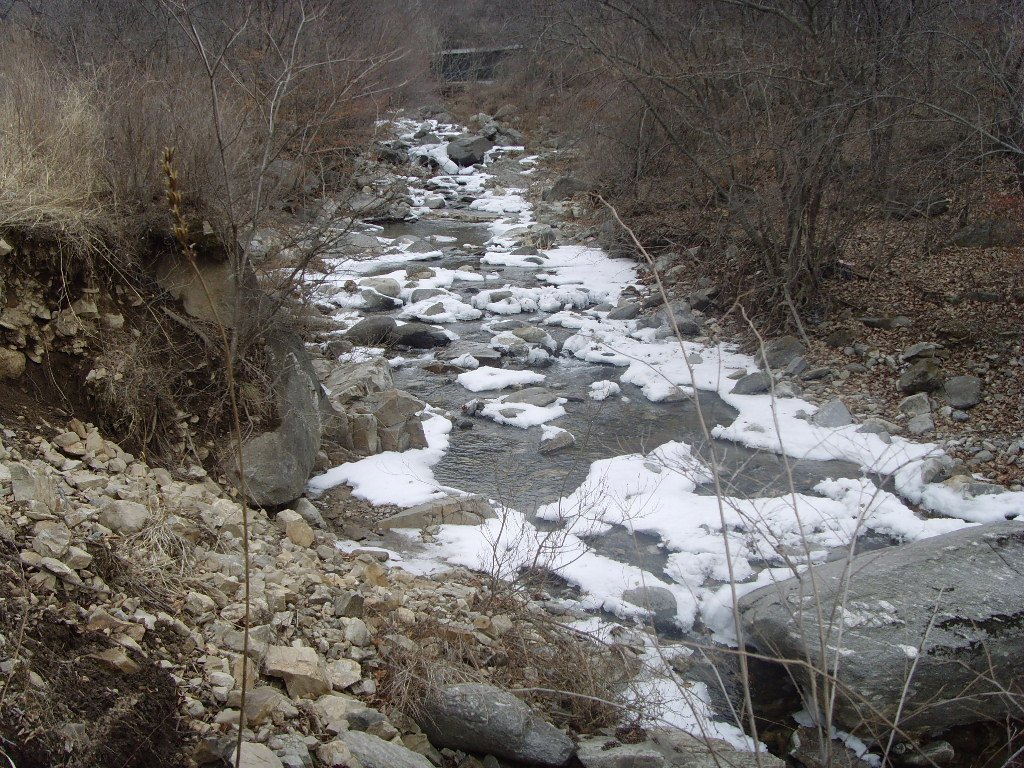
x,y
577,682
51,131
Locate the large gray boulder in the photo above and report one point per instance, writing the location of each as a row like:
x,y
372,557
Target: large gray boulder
x,y
468,150
278,463
486,720
945,614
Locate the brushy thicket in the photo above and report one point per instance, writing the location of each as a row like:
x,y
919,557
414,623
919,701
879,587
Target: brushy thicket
x,y
95,91
771,134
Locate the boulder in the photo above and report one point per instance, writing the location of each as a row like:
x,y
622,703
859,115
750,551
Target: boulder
x,y
451,510
947,610
538,396
304,672
780,352
555,439
627,311
921,424
278,463
924,375
916,405
468,150
564,188
348,382
608,753
658,600
373,332
386,286
385,420
753,384
374,752
962,391
832,414
421,336
212,295
487,720
31,485
376,301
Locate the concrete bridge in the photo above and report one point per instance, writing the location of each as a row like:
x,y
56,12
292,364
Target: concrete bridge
x,y
470,64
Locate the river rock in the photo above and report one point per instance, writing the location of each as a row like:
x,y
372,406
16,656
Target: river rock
x,y
555,439
666,747
923,375
753,384
422,294
468,150
627,311
373,331
451,510
962,392
378,302
950,604
921,424
538,396
348,382
387,286
421,336
374,752
609,753
916,405
658,600
304,672
486,720
484,353
832,414
780,352
381,421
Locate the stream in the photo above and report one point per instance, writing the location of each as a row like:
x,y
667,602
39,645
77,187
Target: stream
x,y
631,499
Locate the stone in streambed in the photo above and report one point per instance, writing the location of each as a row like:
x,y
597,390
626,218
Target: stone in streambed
x,y
486,720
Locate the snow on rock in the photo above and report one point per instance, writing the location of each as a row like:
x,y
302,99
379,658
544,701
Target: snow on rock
x,y
602,390
487,378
